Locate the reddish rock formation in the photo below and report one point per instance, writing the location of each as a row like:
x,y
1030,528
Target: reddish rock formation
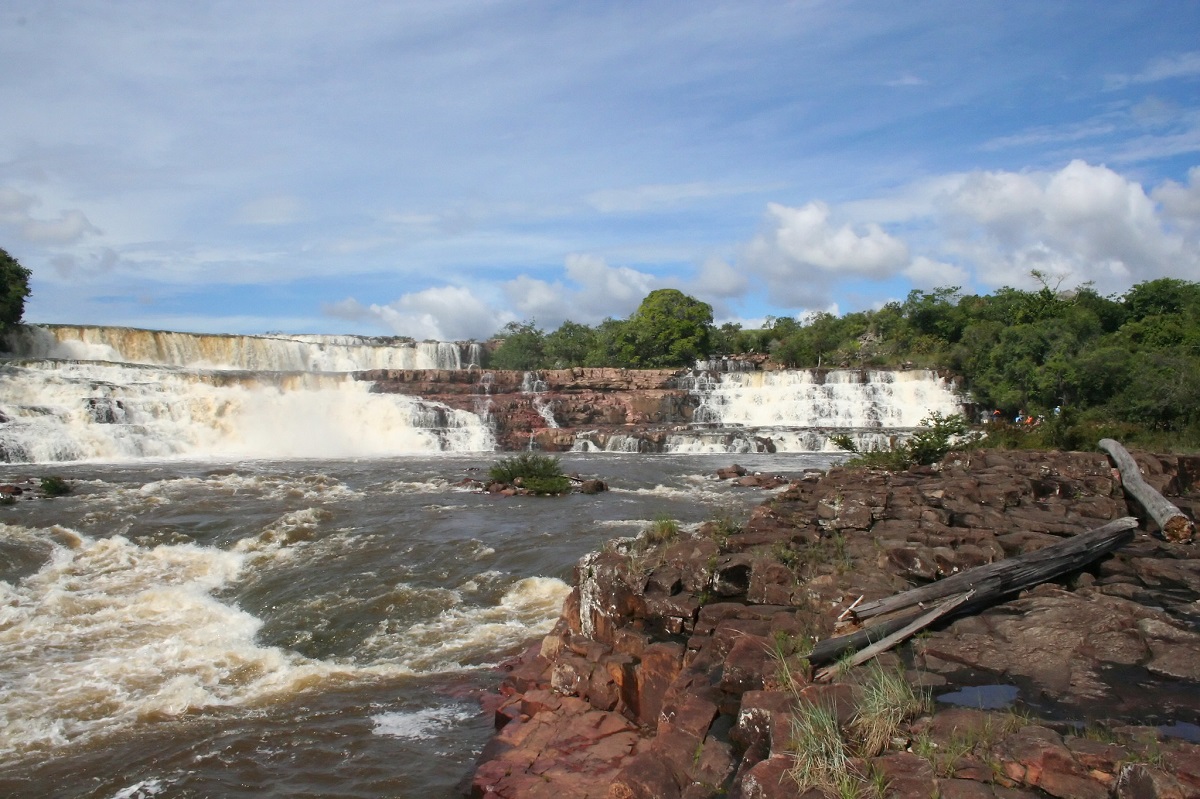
x,y
677,670
641,403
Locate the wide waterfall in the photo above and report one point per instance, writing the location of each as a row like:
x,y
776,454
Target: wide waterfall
x,y
272,353
116,394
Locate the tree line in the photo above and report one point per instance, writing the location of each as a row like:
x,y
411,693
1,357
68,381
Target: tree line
x,y
1123,365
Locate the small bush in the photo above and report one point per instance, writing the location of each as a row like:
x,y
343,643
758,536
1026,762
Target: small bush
x,y
928,444
54,486
546,485
527,464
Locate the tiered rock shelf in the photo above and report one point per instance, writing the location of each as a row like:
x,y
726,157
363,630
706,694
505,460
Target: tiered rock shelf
x,y
676,669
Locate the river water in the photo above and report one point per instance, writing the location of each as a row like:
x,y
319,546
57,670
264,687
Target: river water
x,y
292,628
267,581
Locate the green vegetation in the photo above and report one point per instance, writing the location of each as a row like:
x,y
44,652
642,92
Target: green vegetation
x,y
669,329
661,531
54,486
929,444
831,758
1123,367
537,474
1086,365
14,288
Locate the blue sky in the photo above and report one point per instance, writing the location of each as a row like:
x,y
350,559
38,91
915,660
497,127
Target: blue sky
x,y
437,169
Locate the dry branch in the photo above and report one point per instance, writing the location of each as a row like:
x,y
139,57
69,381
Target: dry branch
x,y
1173,523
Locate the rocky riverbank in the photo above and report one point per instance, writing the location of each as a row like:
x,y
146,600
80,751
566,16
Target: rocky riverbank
x,y
678,669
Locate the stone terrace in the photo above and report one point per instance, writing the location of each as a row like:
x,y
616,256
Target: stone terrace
x,y
668,673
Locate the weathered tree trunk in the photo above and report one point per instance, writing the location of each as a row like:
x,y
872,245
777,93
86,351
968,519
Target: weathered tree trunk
x,y
989,583
1174,524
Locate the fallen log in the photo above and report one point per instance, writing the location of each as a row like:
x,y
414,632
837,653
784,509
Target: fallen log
x,y
886,643
981,587
1015,573
1174,524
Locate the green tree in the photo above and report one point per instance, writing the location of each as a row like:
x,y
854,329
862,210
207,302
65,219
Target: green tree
x,y
14,288
569,345
668,329
522,348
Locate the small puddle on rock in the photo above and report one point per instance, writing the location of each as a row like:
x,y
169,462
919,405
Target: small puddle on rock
x,y
1182,729
982,697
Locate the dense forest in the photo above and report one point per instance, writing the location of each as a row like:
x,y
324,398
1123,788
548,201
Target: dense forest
x,y
1091,366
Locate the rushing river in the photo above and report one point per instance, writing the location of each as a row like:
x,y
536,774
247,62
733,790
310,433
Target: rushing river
x,y
302,628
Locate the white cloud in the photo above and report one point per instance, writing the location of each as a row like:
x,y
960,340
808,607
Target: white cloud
x,y
1184,65
805,236
1081,223
597,291
16,212
719,279
927,273
801,253
444,313
982,230
1181,204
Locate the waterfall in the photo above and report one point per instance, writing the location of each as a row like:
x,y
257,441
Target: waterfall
x,y
273,352
532,383
60,410
843,398
798,410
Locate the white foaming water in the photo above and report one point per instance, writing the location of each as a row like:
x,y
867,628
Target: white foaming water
x,y
68,411
274,353
423,723
839,399
108,635
460,634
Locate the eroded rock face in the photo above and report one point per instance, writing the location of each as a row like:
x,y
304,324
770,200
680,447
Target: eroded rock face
x,y
678,670
636,404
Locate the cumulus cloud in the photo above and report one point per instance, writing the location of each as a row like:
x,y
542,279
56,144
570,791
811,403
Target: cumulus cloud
x,y
1181,203
593,290
926,273
807,237
802,251
1082,223
445,313
16,212
718,279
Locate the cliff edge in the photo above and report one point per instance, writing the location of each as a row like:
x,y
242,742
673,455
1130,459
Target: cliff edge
x,y
678,666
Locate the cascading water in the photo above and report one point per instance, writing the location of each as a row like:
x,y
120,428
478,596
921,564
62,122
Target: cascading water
x,y
533,385
257,397
797,410
275,353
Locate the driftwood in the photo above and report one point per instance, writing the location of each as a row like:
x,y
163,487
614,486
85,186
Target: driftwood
x,y
1173,523
1015,573
884,644
975,589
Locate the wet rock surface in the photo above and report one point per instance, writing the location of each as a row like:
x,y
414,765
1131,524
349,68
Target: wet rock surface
x,y
678,670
